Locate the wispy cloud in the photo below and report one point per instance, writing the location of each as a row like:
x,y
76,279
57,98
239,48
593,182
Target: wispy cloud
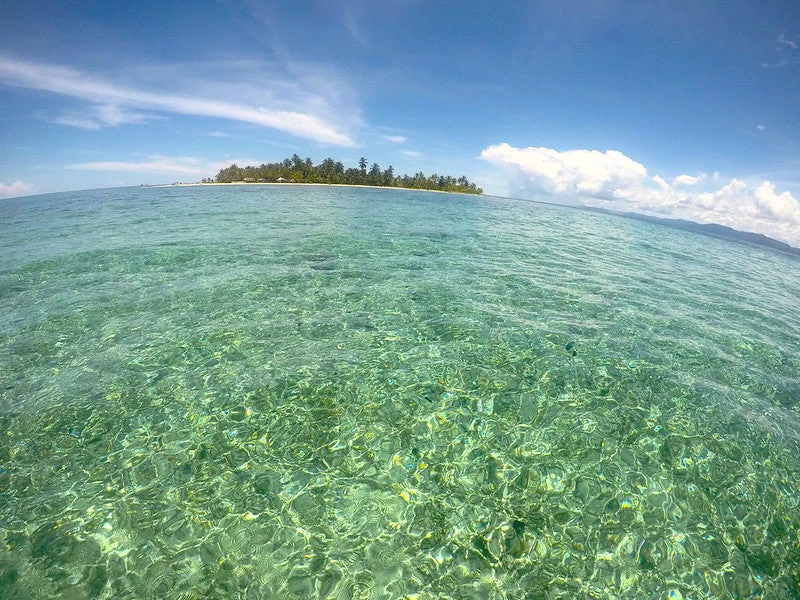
x,y
172,166
351,24
153,164
786,52
18,188
113,102
782,40
614,180
412,153
106,115
395,139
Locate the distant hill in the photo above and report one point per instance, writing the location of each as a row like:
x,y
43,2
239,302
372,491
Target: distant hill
x,y
711,229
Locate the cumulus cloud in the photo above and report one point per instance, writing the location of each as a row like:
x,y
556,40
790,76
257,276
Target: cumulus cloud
x,y
688,179
18,188
612,180
577,172
116,103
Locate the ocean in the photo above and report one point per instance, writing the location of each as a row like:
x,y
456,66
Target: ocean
x,y
350,393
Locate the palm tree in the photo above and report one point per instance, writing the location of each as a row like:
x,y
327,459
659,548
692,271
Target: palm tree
x,y
375,174
388,176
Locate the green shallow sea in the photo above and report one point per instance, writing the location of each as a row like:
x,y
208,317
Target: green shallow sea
x,y
311,392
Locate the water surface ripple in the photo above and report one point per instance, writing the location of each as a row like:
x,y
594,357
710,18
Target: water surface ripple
x,y
312,392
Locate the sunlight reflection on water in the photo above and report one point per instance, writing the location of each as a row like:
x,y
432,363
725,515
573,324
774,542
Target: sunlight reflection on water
x,y
306,392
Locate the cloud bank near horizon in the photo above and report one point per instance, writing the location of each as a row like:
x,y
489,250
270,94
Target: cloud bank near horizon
x,y
173,166
156,164
112,104
615,181
18,188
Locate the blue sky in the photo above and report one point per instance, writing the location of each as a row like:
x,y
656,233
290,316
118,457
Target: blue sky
x,y
683,109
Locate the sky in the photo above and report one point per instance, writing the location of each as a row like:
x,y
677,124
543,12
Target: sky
x,y
680,109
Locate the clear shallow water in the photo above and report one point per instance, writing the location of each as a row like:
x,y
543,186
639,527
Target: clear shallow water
x,y
309,392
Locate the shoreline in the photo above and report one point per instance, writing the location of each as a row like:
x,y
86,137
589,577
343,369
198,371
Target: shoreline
x,y
353,185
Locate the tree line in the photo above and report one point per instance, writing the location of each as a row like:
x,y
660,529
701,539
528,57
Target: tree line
x,y
298,170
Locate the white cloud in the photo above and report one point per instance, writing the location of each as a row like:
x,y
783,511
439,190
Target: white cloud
x,y
660,182
115,101
786,53
760,127
782,207
576,172
412,153
351,24
79,121
785,42
18,188
171,167
154,164
613,180
395,139
101,116
688,179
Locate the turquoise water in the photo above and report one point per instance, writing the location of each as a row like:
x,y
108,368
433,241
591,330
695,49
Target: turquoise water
x,y
311,392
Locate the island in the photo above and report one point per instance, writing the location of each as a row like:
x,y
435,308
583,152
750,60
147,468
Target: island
x,y
299,170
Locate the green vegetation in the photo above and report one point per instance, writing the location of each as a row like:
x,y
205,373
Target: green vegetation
x,y
298,170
